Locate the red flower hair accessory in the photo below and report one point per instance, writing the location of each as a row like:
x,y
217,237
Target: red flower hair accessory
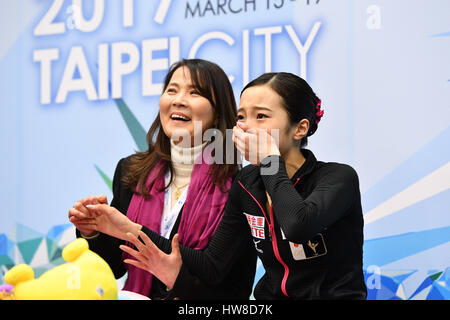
x,y
319,112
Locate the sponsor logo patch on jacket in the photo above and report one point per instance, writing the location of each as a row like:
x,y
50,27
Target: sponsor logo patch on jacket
x,y
311,249
256,224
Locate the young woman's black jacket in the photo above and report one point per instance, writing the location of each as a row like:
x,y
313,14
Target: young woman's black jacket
x,y
310,244
237,284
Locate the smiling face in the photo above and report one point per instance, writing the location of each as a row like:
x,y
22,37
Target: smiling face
x,y
181,105
262,108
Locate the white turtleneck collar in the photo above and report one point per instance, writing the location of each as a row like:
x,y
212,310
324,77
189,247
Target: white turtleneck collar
x,y
183,158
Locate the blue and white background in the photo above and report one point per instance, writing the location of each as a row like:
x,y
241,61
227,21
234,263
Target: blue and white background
x,y
80,83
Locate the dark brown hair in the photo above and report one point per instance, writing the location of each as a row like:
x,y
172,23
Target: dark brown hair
x,y
213,84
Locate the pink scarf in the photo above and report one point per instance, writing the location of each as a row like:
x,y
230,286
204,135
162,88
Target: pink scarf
x,y
201,215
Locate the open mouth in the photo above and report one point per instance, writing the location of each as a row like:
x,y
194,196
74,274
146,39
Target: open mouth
x,y
180,117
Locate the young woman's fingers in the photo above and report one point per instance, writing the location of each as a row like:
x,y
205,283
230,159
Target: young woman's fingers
x,y
134,240
141,259
252,131
247,143
148,243
242,149
137,264
238,132
175,245
240,145
102,199
241,135
83,221
78,214
242,125
89,200
130,251
85,203
80,207
75,215
97,209
243,140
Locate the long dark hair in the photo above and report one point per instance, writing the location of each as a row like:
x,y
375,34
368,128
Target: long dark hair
x,y
213,84
299,99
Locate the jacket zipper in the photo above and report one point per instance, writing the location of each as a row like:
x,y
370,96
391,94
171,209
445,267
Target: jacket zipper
x,y
274,239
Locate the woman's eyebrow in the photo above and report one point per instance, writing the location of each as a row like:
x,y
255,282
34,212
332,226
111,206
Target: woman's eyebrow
x,y
262,108
258,108
176,84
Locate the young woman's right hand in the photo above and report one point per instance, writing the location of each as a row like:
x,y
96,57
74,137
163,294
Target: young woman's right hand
x,y
254,144
80,216
111,221
92,215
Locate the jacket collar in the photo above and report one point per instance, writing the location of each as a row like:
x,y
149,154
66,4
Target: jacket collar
x,y
307,167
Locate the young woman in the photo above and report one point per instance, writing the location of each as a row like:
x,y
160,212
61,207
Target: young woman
x,y
171,189
303,216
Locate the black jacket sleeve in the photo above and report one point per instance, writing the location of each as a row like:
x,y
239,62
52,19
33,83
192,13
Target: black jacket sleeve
x,y
189,285
335,191
229,252
234,286
104,245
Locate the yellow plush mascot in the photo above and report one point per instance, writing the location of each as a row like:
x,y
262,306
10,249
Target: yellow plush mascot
x,y
85,276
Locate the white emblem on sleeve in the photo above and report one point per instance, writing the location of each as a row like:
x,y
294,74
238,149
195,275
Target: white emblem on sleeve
x,y
256,224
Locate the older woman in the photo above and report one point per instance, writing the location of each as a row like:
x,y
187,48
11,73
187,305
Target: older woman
x,y
172,188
